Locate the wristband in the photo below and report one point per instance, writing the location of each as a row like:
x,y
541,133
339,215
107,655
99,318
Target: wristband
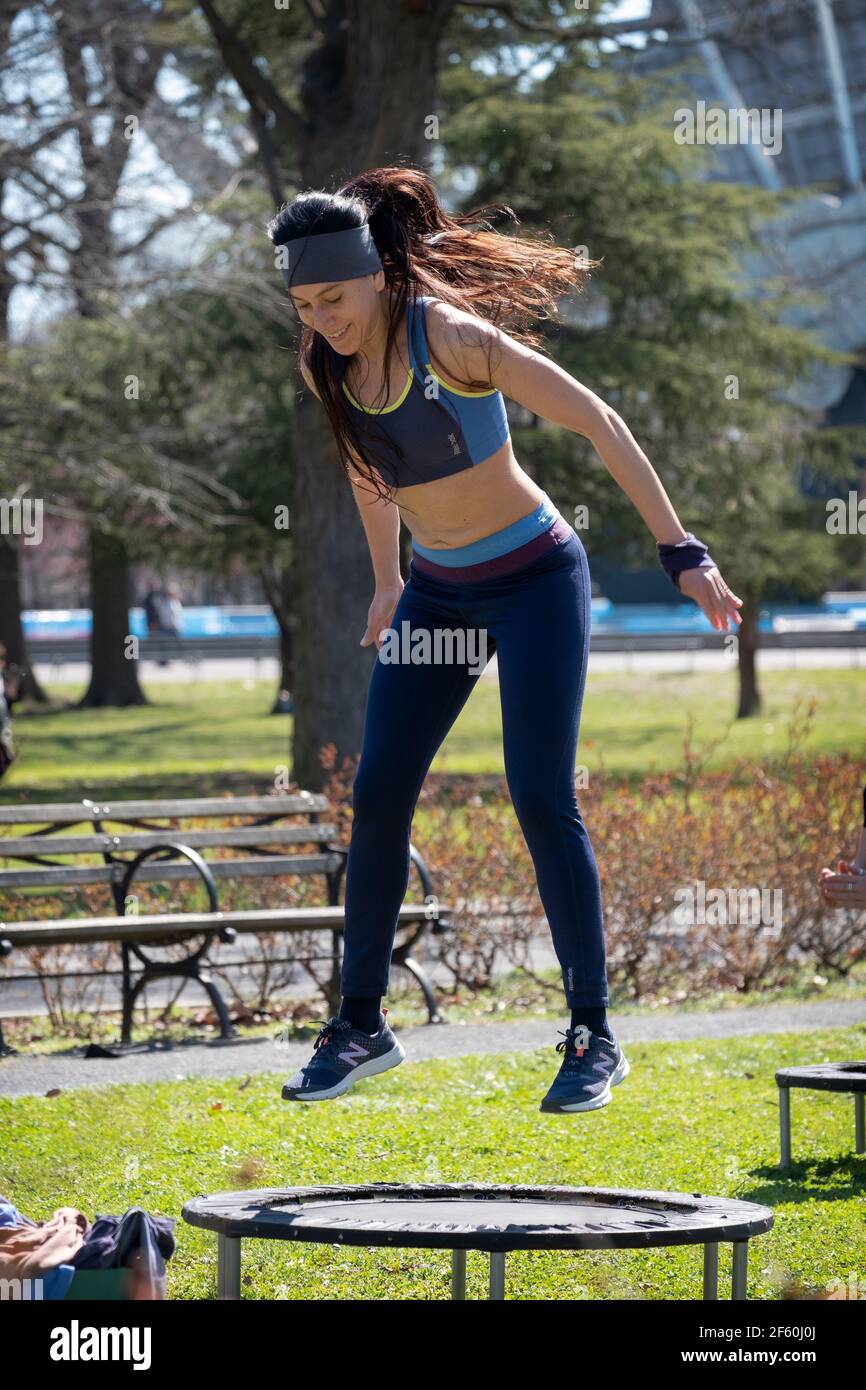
x,y
687,554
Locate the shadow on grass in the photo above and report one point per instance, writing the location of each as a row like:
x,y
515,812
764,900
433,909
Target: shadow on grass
x,y
809,1180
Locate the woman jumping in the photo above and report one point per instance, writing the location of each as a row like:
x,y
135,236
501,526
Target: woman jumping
x,y
401,304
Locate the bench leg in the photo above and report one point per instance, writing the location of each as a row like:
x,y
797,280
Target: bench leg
x,y
859,1123
739,1274
6,1049
711,1270
333,991
132,989
429,997
216,999
458,1274
128,996
497,1274
228,1266
785,1126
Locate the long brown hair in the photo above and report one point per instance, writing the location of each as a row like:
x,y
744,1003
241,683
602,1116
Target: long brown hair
x,y
511,281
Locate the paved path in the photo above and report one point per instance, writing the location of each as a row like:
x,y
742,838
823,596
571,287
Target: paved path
x,y
32,1075
267,668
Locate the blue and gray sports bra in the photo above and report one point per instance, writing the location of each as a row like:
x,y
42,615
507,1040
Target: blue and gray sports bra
x,y
440,429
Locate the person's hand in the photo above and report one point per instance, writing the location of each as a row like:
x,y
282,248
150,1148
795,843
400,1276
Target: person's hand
x,y
380,612
847,888
711,593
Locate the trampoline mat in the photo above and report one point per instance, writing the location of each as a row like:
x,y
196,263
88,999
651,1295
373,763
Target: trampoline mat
x,y
475,1216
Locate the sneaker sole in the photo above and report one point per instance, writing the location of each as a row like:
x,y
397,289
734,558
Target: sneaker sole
x,y
619,1074
371,1068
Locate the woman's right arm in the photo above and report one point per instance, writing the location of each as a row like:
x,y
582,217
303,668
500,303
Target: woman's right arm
x,y
381,522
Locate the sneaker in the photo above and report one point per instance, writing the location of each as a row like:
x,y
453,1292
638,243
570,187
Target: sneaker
x,y
590,1066
342,1055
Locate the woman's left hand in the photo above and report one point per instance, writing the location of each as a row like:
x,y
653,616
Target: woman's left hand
x,y
711,593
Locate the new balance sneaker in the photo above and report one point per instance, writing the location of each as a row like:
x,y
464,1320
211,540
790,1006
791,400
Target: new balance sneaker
x,y
590,1066
342,1055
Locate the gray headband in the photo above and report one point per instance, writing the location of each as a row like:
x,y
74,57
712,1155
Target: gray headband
x,y
329,256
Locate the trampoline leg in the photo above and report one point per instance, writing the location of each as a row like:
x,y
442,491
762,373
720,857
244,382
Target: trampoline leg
x,y
859,1123
785,1126
228,1266
458,1273
740,1270
711,1269
497,1274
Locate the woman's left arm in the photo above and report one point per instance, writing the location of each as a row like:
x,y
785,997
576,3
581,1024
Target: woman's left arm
x,y
547,390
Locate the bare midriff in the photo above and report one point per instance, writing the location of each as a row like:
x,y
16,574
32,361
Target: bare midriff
x,y
456,511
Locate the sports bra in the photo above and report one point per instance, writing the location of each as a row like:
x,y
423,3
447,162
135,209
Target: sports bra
x,y
440,429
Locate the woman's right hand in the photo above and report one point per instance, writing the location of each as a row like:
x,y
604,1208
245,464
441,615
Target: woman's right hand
x,y
380,613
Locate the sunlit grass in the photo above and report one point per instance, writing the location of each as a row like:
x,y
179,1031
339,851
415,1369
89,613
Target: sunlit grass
x,y
699,1116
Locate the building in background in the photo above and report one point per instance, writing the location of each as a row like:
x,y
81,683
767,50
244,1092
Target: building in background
x,y
807,60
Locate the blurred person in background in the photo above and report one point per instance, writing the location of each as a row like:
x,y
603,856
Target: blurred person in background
x,y
163,610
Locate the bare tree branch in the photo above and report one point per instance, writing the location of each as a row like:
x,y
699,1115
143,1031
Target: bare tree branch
x,y
260,93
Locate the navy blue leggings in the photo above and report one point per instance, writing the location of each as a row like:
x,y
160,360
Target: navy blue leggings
x,y
537,621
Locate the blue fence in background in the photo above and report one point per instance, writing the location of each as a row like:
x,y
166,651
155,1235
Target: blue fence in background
x,y
836,613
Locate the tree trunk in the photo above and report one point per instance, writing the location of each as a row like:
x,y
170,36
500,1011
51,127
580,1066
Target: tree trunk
x,y
750,696
285,701
113,654
363,96
11,625
375,77
278,587
333,587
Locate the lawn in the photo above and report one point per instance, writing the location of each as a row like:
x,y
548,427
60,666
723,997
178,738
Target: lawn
x,y
202,738
700,1116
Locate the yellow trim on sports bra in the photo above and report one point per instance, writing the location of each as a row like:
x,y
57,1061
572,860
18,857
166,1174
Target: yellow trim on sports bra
x,y
455,390
381,409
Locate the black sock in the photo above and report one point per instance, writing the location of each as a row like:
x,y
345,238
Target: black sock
x,y
595,1020
362,1013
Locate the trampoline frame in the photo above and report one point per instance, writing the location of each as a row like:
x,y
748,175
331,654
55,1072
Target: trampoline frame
x,y
845,1077
229,1270
747,1220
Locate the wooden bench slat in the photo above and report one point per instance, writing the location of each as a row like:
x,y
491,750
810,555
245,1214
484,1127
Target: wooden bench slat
x,y
26,847
69,875
68,812
184,924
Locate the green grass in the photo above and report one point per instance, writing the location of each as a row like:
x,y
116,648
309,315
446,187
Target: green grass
x,y
699,1116
202,737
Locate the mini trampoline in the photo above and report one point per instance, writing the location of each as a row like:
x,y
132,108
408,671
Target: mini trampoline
x,y
824,1076
480,1216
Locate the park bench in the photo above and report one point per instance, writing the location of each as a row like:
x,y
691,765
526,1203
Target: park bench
x,y
123,844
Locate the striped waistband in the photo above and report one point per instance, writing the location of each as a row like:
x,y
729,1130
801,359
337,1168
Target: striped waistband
x,y
502,553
